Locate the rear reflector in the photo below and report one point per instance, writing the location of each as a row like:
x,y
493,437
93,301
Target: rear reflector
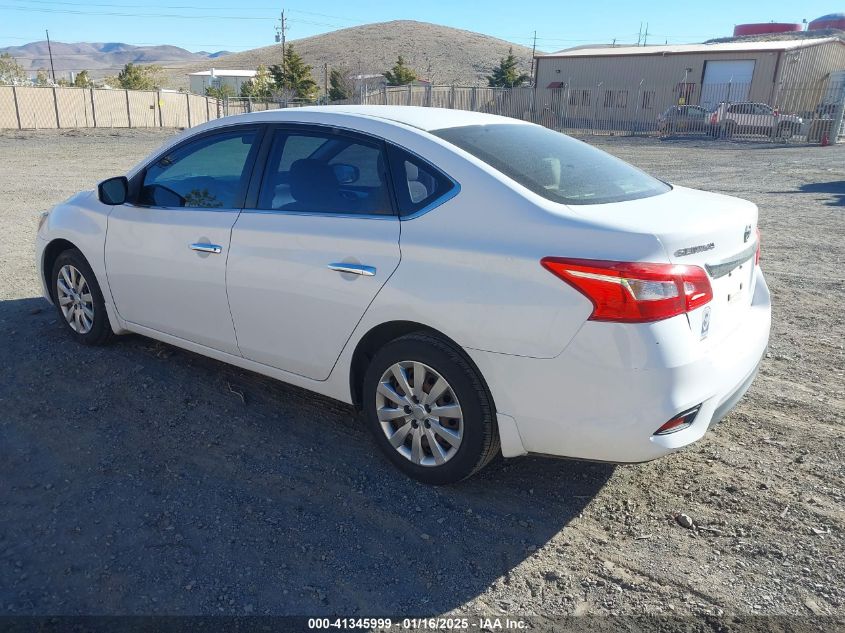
x,y
679,422
634,292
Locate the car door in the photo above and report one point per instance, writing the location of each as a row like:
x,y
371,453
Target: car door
x,y
166,249
315,244
764,118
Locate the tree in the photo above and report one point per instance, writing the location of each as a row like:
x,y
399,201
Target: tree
x,y
340,88
507,75
82,80
11,72
222,91
134,77
294,76
42,78
400,74
259,87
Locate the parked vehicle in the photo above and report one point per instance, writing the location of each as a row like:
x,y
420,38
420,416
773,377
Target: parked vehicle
x,y
753,118
474,284
683,119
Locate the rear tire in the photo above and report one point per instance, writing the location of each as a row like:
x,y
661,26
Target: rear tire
x,y
79,300
438,379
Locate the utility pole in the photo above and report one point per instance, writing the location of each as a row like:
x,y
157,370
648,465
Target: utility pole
x,y
640,35
50,50
326,82
281,30
645,37
533,57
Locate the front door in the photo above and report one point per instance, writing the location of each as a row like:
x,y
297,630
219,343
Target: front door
x,y
166,250
308,260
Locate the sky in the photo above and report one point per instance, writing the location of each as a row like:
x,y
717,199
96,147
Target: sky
x,y
213,25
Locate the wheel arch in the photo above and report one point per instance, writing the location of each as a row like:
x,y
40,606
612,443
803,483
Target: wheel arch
x,y
51,253
383,333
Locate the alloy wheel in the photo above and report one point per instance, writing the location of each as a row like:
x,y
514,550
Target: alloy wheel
x,y
419,413
75,299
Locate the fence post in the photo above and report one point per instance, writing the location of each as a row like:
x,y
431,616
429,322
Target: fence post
x,y
188,102
452,97
838,116
93,108
17,107
384,95
410,95
473,101
158,103
249,104
56,106
207,110
428,95
128,109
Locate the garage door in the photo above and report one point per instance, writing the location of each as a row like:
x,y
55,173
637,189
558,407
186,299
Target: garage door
x,y
728,80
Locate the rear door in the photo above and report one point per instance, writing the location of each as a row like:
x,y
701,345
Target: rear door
x,y
318,239
166,250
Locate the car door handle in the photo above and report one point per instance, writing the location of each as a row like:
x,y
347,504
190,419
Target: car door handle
x,y
355,269
207,248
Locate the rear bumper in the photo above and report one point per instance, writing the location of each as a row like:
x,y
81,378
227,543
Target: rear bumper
x,y
615,384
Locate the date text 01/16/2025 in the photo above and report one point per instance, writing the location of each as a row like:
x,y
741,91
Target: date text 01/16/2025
x,y
432,624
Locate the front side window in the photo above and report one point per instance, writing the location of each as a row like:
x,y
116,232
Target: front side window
x,y
325,172
554,165
417,183
207,173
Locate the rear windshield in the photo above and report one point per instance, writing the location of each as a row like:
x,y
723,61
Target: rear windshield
x,y
554,165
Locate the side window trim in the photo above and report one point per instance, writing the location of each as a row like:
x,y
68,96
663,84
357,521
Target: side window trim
x,y
261,164
443,198
137,181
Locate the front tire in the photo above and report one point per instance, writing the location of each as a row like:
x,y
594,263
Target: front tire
x,y
79,300
429,410
785,131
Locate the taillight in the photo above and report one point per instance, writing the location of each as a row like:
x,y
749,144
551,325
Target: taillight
x,y
757,252
633,292
713,119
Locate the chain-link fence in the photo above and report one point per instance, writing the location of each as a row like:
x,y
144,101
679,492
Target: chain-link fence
x,y
31,107
800,113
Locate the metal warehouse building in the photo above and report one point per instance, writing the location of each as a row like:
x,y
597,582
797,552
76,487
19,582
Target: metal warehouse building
x,y
633,84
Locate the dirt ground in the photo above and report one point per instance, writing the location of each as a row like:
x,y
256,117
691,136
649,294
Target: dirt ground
x,y
142,479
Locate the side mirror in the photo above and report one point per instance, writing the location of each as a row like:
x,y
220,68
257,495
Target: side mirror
x,y
113,191
346,174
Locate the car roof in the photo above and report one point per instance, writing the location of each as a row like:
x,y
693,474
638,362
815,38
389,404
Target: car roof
x,y
415,116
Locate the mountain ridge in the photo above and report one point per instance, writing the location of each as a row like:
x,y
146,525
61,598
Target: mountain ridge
x,y
442,54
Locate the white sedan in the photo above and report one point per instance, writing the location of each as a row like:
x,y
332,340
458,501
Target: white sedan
x,y
474,284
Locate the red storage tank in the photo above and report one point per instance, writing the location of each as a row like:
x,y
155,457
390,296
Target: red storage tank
x,y
829,21
761,28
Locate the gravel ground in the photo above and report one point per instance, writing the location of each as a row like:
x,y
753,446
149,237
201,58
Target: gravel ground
x,y
142,479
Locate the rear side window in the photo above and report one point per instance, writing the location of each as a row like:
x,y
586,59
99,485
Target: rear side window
x,y
206,173
554,165
417,183
325,172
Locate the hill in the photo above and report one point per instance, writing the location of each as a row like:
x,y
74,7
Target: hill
x,y
441,54
100,59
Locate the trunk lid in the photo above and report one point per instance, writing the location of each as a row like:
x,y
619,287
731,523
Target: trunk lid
x,y
713,231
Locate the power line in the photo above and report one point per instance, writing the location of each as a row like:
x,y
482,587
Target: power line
x,y
135,15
